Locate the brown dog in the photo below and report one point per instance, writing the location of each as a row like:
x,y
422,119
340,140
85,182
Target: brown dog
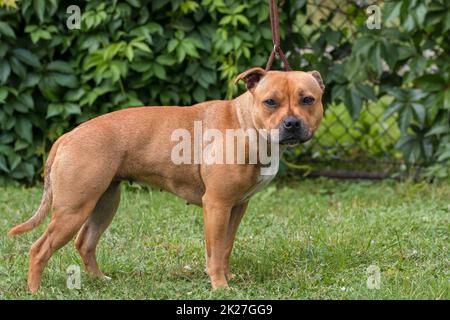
x,y
85,166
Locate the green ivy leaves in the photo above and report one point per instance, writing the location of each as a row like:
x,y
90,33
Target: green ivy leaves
x,y
6,30
406,60
162,52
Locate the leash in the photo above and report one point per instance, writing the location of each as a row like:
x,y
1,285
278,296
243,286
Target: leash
x,y
275,27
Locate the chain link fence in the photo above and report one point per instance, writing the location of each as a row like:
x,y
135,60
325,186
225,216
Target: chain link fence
x,y
346,145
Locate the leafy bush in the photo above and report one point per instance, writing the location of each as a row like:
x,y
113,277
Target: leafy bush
x,y
408,59
142,52
127,53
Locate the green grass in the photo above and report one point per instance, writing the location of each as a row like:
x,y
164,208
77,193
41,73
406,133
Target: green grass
x,y
311,239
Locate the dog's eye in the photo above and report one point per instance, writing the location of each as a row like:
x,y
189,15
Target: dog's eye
x,y
270,103
307,100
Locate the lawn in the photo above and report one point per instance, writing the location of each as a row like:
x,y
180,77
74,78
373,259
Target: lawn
x,y
309,239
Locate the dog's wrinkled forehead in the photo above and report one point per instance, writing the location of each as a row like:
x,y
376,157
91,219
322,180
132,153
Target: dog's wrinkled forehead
x,y
291,82
260,80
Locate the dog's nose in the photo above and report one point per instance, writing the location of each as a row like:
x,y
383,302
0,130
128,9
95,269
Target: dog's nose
x,y
291,123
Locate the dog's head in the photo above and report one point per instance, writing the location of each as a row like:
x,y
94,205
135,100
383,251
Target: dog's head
x,y
290,101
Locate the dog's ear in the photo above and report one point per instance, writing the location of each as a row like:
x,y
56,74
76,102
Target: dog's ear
x,y
318,78
251,77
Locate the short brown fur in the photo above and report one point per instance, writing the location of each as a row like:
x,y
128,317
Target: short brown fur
x,y
86,165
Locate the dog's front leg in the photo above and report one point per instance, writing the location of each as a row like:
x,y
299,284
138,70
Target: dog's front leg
x,y
216,217
235,218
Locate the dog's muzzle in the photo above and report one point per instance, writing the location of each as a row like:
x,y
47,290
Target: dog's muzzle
x,y
293,131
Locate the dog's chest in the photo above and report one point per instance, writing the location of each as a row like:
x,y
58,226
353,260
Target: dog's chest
x,y
261,182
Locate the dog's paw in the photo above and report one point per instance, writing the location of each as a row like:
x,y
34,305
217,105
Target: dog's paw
x,y
230,276
219,285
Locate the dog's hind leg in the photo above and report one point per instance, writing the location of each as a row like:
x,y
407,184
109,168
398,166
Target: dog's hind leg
x,y
94,227
66,221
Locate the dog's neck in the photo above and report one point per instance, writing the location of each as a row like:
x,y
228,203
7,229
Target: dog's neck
x,y
243,106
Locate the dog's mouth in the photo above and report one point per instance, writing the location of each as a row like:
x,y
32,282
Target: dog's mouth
x,y
287,138
293,134
292,140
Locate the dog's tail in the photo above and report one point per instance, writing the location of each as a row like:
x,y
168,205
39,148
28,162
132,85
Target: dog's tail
x,y
46,201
